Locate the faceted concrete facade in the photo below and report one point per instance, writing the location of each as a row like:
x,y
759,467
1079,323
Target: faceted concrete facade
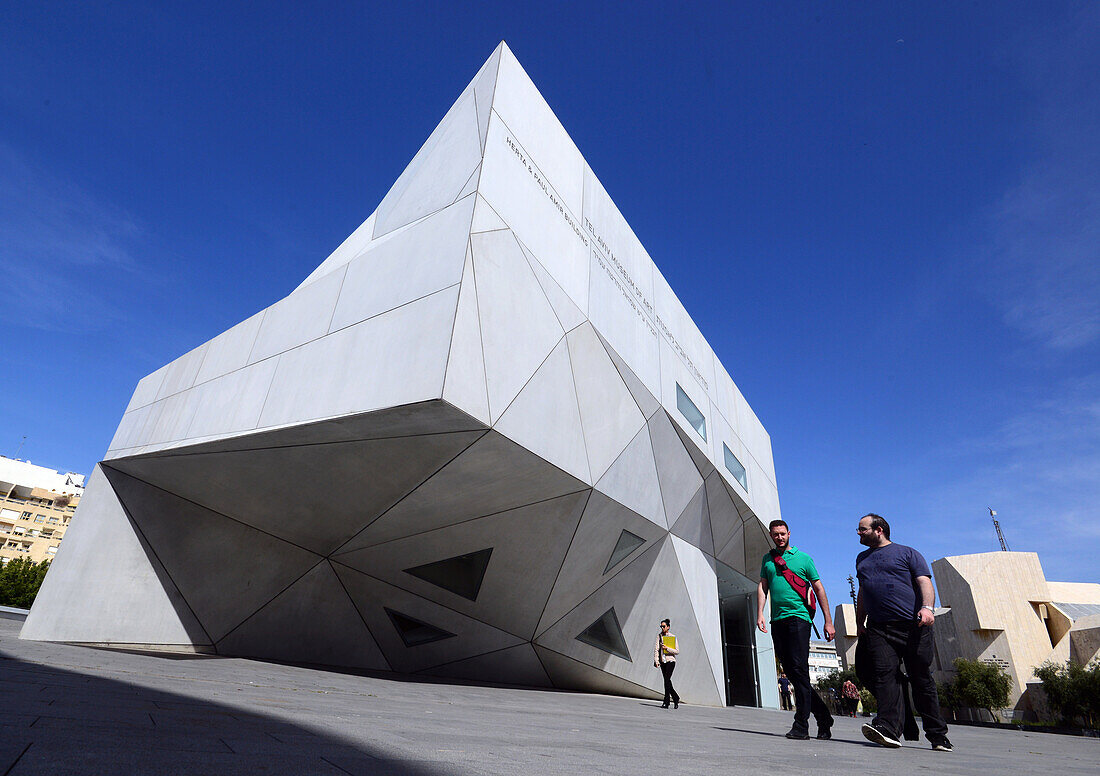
x,y
483,439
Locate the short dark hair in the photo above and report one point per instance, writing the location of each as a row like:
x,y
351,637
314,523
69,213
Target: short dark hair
x,y
774,523
878,521
667,622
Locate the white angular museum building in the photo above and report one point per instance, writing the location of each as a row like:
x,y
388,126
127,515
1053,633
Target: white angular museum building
x,y
482,440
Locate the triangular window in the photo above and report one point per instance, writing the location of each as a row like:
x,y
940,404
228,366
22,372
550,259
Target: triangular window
x,y
627,543
605,634
461,575
414,632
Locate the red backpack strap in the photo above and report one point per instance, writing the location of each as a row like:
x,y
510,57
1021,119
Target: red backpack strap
x,y
801,586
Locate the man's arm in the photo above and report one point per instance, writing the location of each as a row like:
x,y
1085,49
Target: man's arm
x,y
761,598
928,598
860,614
819,589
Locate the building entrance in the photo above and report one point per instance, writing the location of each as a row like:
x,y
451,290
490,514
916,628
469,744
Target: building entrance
x,y
737,608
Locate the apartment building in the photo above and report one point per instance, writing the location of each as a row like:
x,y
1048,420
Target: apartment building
x,y
36,506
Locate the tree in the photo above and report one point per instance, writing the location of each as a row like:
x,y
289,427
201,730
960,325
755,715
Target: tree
x,y
1073,691
836,679
20,579
981,685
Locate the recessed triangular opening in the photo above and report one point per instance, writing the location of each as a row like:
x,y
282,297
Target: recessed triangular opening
x,y
461,575
627,543
605,634
414,632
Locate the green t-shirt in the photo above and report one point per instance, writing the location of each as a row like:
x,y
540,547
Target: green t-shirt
x,y
785,601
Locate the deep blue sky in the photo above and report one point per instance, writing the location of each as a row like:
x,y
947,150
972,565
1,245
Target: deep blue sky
x,y
885,218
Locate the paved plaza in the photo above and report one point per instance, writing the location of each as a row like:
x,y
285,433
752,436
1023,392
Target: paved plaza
x,y
78,710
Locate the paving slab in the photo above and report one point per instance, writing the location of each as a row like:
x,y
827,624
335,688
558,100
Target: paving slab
x,y
79,710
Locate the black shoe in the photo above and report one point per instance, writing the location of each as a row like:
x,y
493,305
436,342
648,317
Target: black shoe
x,y
941,744
880,737
676,704
664,705
824,730
798,734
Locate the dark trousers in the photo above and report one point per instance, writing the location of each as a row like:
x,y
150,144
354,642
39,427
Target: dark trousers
x,y
791,637
885,646
670,691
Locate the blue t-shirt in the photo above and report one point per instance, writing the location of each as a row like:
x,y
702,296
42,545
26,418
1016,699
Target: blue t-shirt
x,y
888,581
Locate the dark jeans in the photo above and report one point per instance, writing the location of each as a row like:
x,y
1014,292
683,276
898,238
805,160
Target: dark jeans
x,y
670,691
791,637
885,646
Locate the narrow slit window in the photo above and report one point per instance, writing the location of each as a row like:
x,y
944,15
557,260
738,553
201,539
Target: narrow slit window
x,y
735,467
691,412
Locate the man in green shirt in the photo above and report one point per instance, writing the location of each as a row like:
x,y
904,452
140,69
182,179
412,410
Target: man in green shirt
x,y
791,626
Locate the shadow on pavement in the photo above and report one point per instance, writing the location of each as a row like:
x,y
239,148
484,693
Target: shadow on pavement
x,y
61,722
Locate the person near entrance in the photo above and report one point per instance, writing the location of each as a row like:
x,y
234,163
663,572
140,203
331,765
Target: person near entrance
x,y
896,599
664,657
793,582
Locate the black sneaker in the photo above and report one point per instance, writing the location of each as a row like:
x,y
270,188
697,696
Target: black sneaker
x,y
941,744
880,737
798,734
825,730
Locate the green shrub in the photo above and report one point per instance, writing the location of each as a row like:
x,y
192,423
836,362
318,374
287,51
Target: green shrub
x,y
870,705
20,579
1073,691
980,685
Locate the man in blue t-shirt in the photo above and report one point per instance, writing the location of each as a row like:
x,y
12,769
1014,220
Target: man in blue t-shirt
x,y
896,598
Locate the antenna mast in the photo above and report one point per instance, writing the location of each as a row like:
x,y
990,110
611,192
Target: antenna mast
x,y
997,525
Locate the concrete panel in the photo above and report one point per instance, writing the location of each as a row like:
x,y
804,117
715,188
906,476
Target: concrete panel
x,y
725,518
518,326
691,347
641,597
395,358
526,113
675,372
485,218
229,351
471,184
520,193
425,258
756,439
438,172
312,621
544,417
182,372
371,596
732,553
528,546
700,457
608,414
464,385
174,416
757,545
515,665
355,244
128,433
493,475
223,569
264,487
625,324
299,318
763,495
724,435
616,242
693,524
127,601
145,392
702,588
572,674
233,402
676,471
632,480
584,567
647,403
485,84
569,315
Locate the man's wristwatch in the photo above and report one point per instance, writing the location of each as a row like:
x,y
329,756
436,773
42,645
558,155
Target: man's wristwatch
x,y
929,608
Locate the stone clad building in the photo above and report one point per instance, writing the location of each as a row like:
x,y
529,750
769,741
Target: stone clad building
x,y
546,454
